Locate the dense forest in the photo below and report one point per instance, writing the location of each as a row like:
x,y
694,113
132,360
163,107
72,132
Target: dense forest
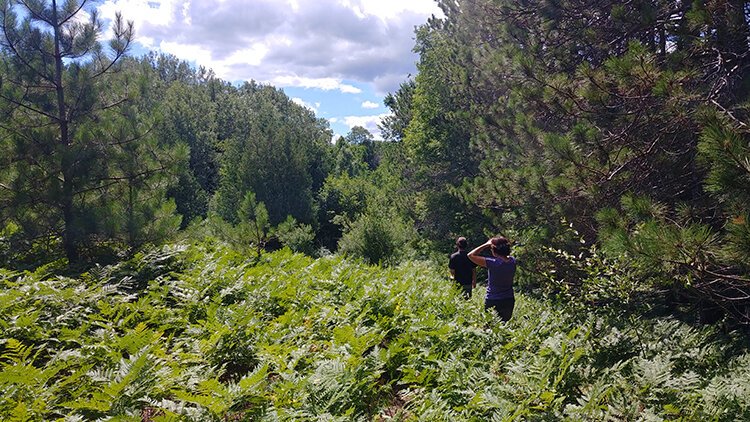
x,y
608,140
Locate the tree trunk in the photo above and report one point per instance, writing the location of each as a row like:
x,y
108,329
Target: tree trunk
x,y
70,238
131,216
732,42
731,28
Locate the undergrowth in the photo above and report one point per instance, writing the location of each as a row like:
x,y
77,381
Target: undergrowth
x,y
201,332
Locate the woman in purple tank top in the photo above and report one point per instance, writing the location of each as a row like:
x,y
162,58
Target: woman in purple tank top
x,y
501,268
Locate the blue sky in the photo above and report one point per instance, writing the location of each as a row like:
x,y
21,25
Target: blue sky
x,y
342,110
338,57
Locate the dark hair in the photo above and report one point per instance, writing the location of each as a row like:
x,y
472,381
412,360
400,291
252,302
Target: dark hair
x,y
501,246
461,243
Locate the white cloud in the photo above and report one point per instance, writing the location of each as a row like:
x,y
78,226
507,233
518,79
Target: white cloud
x,y
83,17
368,122
370,105
388,9
144,13
326,44
302,102
363,121
198,54
326,84
252,55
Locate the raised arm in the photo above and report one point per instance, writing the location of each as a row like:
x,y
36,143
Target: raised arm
x,y
476,257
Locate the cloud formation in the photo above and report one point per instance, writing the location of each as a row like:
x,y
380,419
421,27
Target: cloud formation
x,y
368,122
303,43
303,103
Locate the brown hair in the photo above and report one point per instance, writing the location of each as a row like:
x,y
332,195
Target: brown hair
x,y
461,243
500,246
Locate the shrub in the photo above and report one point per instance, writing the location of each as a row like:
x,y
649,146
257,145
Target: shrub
x,y
377,238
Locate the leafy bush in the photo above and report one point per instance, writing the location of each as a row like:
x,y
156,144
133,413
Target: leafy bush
x,y
377,237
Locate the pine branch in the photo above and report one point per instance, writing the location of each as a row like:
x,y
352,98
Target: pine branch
x,y
16,53
69,17
28,107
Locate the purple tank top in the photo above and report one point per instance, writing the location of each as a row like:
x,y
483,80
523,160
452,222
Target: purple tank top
x,y
500,277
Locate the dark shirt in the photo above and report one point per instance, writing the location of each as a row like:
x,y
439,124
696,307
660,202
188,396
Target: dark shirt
x,y
500,277
463,267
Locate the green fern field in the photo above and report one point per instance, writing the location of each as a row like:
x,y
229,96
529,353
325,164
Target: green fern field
x,y
201,333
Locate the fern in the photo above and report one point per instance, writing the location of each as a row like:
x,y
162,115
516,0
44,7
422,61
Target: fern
x,y
202,333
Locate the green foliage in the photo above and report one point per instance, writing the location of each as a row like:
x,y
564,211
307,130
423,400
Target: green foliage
x,y
136,210
55,87
298,237
378,236
274,148
253,227
609,116
162,137
355,154
210,335
724,150
358,135
84,168
394,125
680,253
342,198
190,119
437,142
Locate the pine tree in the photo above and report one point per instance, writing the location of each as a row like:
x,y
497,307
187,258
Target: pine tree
x,y
54,71
136,209
393,126
253,227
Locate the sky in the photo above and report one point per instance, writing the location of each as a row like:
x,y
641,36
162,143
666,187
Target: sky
x,y
337,57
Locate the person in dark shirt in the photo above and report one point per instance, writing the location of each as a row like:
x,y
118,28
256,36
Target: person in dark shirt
x,y
462,270
501,268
